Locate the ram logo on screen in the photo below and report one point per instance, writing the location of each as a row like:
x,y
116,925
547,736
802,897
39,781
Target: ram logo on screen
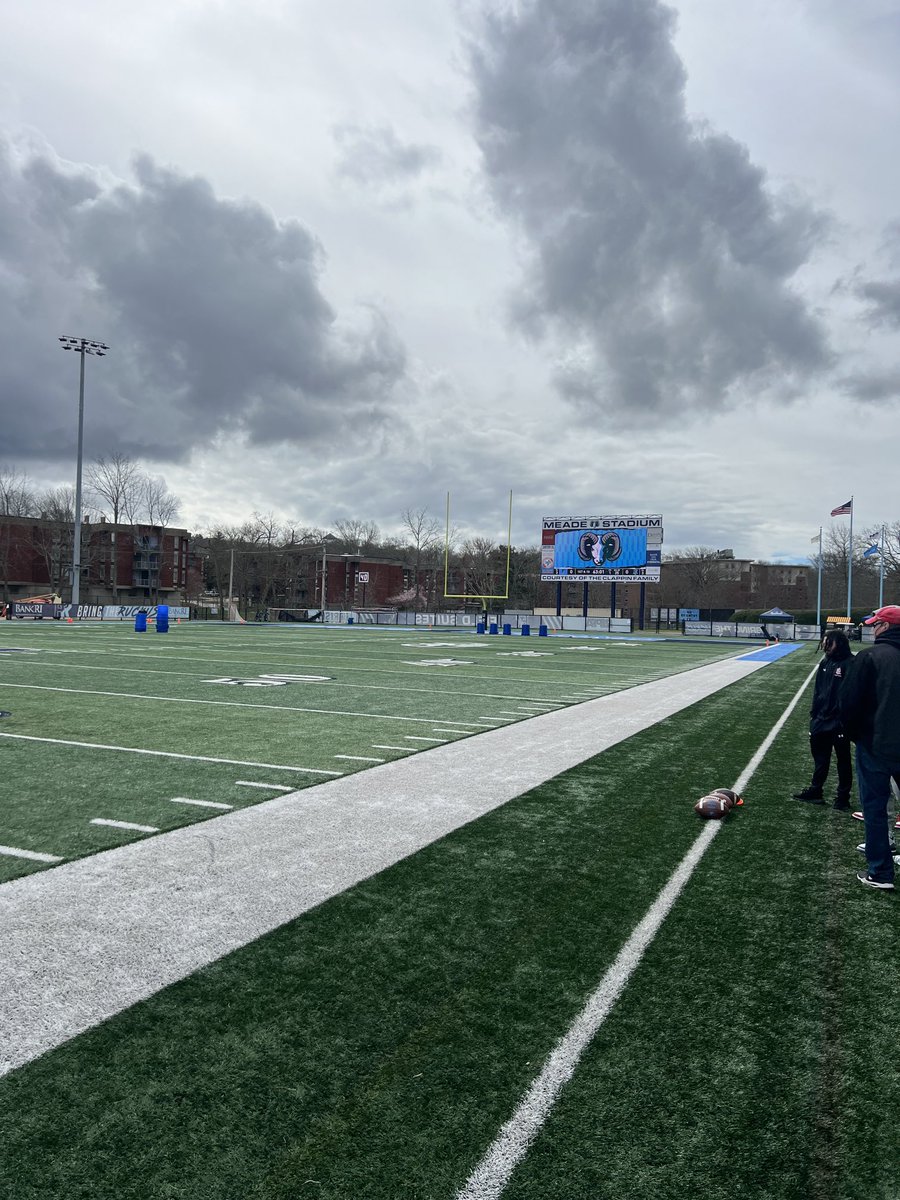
x,y
604,549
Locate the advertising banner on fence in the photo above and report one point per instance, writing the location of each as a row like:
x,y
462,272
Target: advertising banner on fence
x,y
91,612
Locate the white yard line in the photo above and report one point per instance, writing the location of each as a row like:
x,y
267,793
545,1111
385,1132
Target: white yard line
x,y
283,708
163,907
490,1177
359,758
274,787
201,803
124,825
405,749
12,852
411,737
132,671
235,762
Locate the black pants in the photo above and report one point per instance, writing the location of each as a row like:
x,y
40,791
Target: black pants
x,y
821,745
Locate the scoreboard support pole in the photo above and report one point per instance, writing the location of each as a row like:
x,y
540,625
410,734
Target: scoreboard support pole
x,y
559,599
584,601
612,600
643,601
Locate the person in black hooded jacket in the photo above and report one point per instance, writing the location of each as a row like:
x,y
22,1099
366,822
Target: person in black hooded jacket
x,y
870,708
826,728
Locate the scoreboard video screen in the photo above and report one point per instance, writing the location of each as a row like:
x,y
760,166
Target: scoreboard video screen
x,y
608,549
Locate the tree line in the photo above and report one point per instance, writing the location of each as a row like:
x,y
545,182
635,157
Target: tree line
x,y
273,562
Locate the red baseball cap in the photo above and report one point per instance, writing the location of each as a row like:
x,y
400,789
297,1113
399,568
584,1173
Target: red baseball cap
x,y
890,614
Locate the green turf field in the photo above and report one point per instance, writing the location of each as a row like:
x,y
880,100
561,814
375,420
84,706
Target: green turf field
x,y
96,696
372,1048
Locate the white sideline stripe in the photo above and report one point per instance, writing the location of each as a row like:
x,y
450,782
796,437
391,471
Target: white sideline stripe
x,y
164,906
412,738
12,852
124,825
274,787
493,1173
235,762
358,758
405,749
199,803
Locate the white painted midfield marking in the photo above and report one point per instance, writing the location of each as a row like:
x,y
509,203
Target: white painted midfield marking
x,y
358,758
12,852
493,1173
275,787
235,762
200,803
124,825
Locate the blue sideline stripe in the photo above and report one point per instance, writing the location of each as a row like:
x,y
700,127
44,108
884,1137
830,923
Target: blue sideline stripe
x,y
770,653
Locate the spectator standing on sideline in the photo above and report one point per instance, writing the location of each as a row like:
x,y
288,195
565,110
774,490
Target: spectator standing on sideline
x,y
826,729
870,707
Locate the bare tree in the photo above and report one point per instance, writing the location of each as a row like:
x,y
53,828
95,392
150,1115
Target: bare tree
x,y
357,535
479,560
114,484
16,496
16,500
161,508
53,536
424,539
159,504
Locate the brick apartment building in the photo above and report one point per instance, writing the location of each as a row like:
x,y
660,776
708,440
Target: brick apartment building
x,y
120,564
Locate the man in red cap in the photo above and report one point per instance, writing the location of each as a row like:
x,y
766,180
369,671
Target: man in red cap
x,y
870,707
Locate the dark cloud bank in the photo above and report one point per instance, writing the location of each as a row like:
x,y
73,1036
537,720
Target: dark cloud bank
x,y
212,308
657,256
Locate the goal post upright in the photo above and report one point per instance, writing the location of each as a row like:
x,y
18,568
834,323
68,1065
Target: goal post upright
x,y
483,597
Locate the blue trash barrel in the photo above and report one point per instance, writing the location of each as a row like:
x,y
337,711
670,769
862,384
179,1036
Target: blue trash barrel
x,y
542,630
507,630
162,618
526,630
349,620
479,628
492,628
140,622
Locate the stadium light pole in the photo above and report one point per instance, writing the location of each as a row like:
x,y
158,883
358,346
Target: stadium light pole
x,y
81,346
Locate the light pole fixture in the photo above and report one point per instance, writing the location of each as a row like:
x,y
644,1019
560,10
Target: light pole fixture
x,y
81,346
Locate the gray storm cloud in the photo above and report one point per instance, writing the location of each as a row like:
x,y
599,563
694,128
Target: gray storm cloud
x,y
212,307
657,260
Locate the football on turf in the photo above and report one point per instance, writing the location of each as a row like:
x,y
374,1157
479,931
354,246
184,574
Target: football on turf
x,y
712,807
729,795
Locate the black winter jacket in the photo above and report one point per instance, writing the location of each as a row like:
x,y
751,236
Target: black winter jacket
x,y
870,697
825,715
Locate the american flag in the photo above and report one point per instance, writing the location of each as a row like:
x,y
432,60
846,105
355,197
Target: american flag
x,y
843,510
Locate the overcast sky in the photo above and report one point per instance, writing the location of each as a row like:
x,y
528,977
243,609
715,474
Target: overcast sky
x,y
614,255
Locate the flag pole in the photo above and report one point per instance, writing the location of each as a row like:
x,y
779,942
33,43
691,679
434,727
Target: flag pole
x,y
819,587
881,572
850,563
